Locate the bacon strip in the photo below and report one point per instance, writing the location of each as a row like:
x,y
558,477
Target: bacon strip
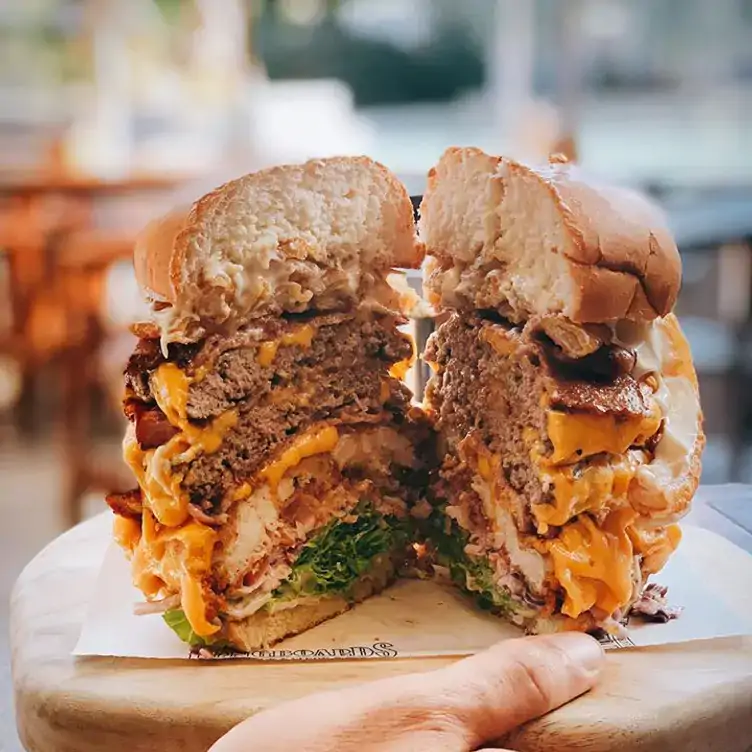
x,y
152,428
126,504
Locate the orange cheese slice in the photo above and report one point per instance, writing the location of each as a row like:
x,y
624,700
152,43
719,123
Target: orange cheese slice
x,y
302,336
594,565
169,560
578,490
578,435
316,441
655,545
153,468
126,532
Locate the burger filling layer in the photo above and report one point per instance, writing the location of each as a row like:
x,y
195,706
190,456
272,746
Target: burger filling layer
x,y
254,453
543,456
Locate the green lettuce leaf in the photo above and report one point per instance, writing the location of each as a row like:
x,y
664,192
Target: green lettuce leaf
x,y
178,622
340,553
473,574
176,619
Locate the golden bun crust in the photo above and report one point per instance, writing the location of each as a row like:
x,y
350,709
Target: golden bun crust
x,y
618,236
155,259
544,240
262,629
318,236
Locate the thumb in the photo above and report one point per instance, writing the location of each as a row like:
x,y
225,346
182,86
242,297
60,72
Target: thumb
x,y
491,693
459,707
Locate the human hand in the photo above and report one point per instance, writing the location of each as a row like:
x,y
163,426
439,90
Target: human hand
x,y
453,709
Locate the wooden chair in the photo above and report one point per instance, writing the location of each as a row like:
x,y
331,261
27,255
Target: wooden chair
x,y
26,227
83,261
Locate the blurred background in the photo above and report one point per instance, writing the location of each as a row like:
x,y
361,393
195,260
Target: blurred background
x,y
112,111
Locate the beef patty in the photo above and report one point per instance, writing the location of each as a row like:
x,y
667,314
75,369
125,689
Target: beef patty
x,y
494,382
340,376
234,372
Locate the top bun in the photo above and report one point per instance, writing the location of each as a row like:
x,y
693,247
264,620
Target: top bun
x,y
540,241
318,236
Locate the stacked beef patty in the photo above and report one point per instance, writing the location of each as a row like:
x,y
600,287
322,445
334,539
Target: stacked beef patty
x,y
531,508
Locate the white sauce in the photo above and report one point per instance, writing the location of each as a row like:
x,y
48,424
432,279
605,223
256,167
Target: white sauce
x,y
676,397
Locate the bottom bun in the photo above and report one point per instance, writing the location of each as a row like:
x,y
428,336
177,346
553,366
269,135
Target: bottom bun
x,y
264,628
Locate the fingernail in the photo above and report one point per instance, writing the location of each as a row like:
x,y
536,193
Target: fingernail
x,y
582,649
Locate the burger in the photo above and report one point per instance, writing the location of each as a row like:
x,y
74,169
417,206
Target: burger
x,y
274,445
563,390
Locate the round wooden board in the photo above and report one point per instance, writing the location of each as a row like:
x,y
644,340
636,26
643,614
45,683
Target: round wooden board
x,y
683,697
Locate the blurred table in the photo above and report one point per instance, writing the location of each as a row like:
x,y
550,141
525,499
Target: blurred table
x,y
725,510
42,205
58,258
34,183
41,210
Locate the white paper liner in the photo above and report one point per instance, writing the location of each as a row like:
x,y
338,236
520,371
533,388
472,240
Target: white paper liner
x,y
710,577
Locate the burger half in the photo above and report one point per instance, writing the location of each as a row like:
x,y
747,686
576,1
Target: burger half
x,y
563,390
274,445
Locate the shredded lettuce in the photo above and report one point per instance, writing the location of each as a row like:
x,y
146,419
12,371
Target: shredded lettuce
x,y
471,573
330,562
334,559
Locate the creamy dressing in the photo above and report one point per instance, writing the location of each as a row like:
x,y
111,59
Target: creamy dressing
x,y
242,287
675,395
680,406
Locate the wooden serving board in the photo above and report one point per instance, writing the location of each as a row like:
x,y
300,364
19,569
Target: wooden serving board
x,y
690,696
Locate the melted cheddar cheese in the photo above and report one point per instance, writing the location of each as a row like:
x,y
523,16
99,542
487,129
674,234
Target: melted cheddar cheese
x,y
655,545
589,489
594,565
578,435
317,441
126,532
170,553
174,556
488,466
175,559
171,385
503,342
302,336
153,468
399,370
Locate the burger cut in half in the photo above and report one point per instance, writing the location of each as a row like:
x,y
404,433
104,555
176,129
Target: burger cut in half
x,y
274,445
563,390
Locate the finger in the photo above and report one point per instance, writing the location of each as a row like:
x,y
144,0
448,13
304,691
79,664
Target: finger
x,y
515,681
